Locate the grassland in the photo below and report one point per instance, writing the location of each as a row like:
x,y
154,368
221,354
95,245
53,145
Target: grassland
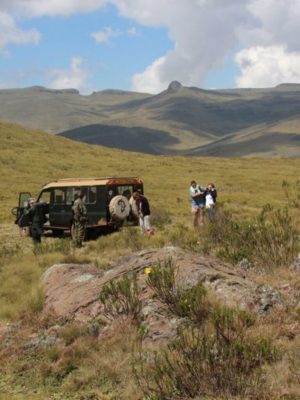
x,y
29,159
87,369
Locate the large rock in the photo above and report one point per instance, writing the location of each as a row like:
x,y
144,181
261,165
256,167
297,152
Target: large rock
x,y
72,291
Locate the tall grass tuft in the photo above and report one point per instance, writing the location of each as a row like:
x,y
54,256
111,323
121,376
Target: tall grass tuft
x,y
270,240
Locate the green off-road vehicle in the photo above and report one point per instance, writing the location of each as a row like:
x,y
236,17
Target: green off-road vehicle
x,y
108,202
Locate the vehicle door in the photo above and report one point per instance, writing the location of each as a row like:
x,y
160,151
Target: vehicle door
x,y
45,198
95,202
60,208
22,205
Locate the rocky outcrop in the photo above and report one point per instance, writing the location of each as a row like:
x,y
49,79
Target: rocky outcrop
x,y
72,290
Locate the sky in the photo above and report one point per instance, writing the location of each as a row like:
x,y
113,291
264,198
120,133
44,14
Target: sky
x,y
143,45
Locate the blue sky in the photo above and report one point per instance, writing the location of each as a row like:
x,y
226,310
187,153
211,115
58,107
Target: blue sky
x,y
143,45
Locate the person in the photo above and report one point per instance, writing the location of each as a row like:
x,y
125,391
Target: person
x,y
143,208
36,215
197,195
210,201
79,219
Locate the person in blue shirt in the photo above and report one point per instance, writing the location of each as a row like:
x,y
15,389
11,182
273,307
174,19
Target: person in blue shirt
x,y
197,196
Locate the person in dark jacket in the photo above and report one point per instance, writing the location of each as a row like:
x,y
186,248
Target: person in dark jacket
x,y
37,218
143,207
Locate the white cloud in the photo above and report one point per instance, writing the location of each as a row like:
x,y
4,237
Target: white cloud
x,y
147,81
203,32
38,8
106,34
75,77
11,34
267,66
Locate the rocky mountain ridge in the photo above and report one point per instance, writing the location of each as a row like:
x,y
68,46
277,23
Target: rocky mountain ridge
x,y
179,120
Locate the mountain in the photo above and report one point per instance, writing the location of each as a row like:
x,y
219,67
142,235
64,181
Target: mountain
x,y
180,120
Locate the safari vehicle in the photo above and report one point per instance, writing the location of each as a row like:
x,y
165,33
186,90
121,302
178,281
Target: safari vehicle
x,y
107,201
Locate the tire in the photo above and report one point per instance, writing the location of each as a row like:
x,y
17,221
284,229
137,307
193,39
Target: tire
x,y
119,208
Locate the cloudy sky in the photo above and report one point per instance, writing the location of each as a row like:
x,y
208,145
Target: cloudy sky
x,y
142,45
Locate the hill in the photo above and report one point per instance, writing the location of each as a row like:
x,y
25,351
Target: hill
x,y
30,159
180,120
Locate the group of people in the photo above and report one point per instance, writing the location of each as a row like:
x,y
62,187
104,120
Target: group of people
x,y
202,198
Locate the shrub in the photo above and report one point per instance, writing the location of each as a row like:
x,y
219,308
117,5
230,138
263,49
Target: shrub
x,y
190,302
206,362
162,281
270,240
122,297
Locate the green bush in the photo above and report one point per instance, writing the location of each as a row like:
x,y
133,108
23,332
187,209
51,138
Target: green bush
x,y
161,279
122,297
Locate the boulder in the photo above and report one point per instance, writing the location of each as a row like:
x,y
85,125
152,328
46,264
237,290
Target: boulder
x,y
72,291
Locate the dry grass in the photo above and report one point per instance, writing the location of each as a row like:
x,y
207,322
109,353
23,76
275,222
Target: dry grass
x,y
86,366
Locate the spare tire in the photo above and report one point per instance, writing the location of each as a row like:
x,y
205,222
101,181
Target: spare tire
x,y
119,208
134,208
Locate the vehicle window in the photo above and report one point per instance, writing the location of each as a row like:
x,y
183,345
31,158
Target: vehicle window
x,y
69,195
125,190
45,196
91,195
59,196
23,199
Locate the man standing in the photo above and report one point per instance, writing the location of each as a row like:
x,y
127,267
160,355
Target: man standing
x,y
79,220
197,195
37,218
143,208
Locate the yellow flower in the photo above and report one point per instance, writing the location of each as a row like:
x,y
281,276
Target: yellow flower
x,y
148,270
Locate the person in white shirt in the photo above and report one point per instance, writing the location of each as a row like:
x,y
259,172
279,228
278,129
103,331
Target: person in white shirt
x,y
197,196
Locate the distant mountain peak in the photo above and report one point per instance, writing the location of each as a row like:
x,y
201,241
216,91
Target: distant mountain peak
x,y
174,86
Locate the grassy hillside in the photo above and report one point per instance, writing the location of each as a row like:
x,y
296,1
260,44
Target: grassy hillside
x,y
81,365
30,159
179,120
